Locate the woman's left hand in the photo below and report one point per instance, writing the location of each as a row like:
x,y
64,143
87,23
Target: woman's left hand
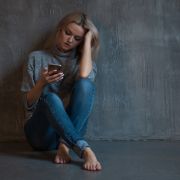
x,y
88,37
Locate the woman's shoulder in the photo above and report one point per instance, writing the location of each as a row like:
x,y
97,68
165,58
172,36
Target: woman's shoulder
x,y
38,54
39,57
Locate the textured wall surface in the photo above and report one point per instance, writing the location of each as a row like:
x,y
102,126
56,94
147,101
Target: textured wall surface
x,y
138,81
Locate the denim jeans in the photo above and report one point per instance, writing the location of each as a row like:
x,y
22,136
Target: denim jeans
x,y
51,123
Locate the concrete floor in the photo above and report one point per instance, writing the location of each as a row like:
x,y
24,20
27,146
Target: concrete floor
x,y
121,160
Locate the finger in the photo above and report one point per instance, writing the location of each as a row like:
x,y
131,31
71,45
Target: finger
x,y
59,79
44,71
52,72
89,33
52,79
55,79
57,75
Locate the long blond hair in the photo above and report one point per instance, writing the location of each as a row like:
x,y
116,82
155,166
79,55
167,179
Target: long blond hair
x,y
82,20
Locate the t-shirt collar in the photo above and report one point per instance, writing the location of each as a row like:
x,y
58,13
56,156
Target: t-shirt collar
x,y
60,54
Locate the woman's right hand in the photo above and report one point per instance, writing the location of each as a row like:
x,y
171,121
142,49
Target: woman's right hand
x,y
46,77
50,76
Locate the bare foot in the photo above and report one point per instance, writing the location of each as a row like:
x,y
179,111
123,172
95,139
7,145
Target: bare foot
x,y
91,163
62,156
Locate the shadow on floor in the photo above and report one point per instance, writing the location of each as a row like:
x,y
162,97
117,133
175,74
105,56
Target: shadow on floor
x,y
23,150
121,160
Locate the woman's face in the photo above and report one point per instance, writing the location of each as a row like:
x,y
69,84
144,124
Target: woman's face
x,y
70,37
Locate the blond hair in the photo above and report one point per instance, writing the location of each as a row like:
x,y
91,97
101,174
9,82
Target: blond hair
x,y
82,20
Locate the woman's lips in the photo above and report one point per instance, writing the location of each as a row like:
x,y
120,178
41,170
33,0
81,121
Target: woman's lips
x,y
67,44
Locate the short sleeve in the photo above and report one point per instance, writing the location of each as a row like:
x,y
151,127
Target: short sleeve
x,y
28,81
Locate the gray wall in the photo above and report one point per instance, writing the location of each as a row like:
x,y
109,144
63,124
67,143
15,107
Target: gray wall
x,y
138,83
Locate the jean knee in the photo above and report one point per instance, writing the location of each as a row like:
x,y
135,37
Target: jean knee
x,y
51,97
84,84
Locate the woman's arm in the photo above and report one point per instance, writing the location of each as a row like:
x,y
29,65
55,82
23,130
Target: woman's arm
x,y
46,77
86,59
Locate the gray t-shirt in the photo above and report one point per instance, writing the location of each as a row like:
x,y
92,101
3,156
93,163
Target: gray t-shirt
x,y
37,60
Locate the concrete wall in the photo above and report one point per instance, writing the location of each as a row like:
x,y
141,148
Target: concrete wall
x,y
138,82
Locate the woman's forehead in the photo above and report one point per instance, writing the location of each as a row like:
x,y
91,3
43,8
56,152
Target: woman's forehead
x,y
76,29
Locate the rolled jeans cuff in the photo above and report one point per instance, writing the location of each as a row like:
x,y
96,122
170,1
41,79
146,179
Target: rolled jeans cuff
x,y
79,147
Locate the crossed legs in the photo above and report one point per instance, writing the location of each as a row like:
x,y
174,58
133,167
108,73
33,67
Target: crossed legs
x,y
51,121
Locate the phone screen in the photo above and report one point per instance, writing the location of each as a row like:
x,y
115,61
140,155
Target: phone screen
x,y
57,67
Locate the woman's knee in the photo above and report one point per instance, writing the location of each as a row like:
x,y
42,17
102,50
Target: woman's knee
x,y
52,98
84,84
50,95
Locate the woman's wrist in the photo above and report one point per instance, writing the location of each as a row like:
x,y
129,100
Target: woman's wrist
x,y
41,83
87,46
87,41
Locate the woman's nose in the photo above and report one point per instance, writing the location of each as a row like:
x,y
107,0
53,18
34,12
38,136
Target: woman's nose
x,y
70,39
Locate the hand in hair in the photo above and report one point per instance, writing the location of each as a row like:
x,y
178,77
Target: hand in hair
x,y
86,59
88,37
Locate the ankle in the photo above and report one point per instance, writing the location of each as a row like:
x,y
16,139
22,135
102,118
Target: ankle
x,y
63,146
88,153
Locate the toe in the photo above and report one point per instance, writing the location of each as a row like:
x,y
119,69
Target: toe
x,y
86,166
98,167
56,160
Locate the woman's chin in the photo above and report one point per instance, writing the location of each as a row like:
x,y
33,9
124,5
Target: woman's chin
x,y
64,49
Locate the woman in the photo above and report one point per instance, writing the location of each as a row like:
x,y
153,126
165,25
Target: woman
x,y
58,103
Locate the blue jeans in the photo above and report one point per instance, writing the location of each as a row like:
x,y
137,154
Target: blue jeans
x,y
51,123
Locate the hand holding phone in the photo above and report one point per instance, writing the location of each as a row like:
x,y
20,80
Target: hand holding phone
x,y
54,68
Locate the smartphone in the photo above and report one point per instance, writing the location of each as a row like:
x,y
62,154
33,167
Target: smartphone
x,y
56,67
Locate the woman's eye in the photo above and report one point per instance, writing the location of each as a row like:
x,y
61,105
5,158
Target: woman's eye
x,y
77,39
67,32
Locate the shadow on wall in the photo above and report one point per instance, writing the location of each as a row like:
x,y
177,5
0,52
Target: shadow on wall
x,y
11,106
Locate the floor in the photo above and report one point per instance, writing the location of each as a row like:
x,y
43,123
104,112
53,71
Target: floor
x,y
121,160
